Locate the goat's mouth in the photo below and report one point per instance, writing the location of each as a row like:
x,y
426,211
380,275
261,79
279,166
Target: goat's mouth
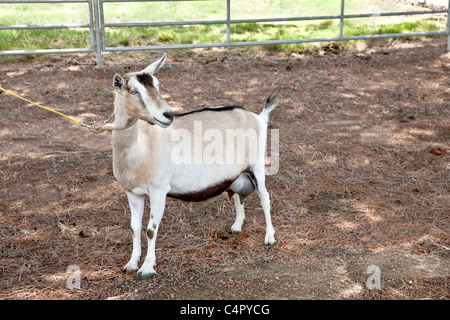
x,y
163,124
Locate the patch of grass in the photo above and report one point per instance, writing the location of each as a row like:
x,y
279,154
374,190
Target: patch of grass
x,y
43,39
144,36
43,13
199,34
327,24
353,29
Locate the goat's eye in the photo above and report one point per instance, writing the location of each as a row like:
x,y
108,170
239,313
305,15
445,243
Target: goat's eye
x,y
133,91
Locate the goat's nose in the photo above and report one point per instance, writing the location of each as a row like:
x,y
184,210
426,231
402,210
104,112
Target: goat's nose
x,y
168,115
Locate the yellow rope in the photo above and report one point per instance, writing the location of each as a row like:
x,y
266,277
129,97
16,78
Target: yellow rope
x,y
46,108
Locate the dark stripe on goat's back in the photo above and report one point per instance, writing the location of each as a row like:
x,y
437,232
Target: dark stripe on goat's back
x,y
228,108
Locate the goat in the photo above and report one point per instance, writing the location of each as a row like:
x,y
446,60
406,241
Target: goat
x,y
143,160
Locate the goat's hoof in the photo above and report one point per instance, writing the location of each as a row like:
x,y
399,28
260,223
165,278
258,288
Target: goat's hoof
x,y
270,241
236,228
146,272
146,275
129,269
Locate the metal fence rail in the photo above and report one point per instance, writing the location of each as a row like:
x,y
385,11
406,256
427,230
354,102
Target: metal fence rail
x,y
98,28
89,25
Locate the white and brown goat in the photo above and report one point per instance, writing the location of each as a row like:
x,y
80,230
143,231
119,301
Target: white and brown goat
x,y
144,164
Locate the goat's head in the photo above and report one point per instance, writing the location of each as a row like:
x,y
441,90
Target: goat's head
x,y
142,100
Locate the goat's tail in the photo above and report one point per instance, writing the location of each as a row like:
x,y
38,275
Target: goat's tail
x,y
271,103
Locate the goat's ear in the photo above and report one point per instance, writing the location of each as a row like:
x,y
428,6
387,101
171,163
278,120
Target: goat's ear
x,y
155,66
118,82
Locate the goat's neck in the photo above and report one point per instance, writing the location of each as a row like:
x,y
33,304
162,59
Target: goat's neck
x,y
122,139
132,150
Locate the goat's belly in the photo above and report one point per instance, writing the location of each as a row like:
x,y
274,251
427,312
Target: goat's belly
x,y
198,183
202,194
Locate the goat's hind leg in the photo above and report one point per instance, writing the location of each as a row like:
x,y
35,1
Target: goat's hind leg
x,y
242,187
240,215
259,175
136,203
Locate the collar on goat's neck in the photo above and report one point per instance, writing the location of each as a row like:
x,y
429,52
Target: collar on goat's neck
x,y
130,123
114,127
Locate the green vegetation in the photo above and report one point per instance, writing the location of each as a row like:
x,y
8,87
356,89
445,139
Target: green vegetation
x,y
12,14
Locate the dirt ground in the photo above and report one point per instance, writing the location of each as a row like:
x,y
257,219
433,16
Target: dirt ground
x,y
363,178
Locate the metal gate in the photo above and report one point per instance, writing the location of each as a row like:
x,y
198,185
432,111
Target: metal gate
x,y
89,25
98,28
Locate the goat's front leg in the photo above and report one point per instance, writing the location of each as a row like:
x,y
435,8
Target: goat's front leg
x,y
157,203
137,209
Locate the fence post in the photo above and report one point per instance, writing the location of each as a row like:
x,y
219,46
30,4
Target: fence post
x,y
91,25
102,27
228,21
98,46
341,25
448,26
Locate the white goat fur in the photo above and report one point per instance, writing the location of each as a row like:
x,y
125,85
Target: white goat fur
x,y
143,166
